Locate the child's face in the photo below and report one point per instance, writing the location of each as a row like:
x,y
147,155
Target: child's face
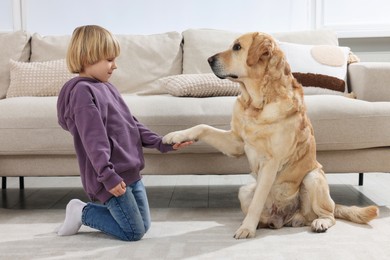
x,y
101,70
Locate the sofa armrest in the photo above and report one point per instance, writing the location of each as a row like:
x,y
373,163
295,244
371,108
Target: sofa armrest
x,y
370,81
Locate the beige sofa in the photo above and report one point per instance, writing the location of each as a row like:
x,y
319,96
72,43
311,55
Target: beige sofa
x,y
352,134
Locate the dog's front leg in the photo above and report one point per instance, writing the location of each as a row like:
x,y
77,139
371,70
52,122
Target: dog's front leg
x,y
225,141
265,180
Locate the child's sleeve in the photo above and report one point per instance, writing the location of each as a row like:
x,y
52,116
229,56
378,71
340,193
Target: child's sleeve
x,y
152,140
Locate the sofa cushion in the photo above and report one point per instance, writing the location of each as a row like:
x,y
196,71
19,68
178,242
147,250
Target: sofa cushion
x,y
143,58
44,78
198,46
14,46
29,124
342,123
50,47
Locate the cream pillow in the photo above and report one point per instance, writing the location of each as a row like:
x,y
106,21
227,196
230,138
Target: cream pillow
x,y
199,85
37,78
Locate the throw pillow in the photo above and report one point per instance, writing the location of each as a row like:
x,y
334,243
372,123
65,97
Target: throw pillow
x,y
320,66
37,78
199,85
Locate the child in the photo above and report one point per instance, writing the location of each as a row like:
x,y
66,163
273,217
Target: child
x,y
108,141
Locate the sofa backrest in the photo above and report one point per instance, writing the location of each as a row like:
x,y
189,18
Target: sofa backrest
x,y
143,58
14,46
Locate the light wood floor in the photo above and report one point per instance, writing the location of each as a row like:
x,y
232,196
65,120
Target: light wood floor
x,y
186,191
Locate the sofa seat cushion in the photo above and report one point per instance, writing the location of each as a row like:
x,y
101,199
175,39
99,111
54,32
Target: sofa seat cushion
x,y
339,123
342,123
165,113
28,125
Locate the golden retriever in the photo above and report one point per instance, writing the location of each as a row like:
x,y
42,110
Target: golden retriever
x,y
269,124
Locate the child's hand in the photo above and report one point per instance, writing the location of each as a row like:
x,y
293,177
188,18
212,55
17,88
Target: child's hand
x,y
119,189
182,145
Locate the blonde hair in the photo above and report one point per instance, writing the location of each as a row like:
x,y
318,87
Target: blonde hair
x,y
90,44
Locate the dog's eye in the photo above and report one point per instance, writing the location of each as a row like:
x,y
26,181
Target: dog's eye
x,y
236,47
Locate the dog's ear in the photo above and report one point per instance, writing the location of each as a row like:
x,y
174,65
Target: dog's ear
x,y
261,47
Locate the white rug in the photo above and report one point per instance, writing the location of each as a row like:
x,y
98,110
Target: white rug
x,y
190,234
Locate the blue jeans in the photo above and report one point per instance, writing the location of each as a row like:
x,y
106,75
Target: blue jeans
x,y
126,217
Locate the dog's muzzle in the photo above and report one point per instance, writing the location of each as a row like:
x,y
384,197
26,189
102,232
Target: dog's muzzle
x,y
218,68
213,62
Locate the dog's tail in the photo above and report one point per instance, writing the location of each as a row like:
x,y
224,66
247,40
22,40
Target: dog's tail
x,y
356,214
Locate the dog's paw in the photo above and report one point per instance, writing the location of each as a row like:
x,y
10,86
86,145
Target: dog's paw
x,y
320,225
176,137
243,232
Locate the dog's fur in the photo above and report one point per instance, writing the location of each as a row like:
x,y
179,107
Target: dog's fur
x,y
269,124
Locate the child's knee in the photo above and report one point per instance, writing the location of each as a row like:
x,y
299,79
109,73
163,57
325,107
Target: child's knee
x,y
134,237
136,233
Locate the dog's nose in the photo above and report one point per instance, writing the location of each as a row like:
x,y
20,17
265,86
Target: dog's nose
x,y
211,60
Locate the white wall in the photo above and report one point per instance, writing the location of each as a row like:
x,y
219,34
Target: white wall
x,y
356,18
156,16
6,15
350,18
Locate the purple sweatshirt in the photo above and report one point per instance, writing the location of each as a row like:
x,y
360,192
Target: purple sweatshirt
x,y
108,140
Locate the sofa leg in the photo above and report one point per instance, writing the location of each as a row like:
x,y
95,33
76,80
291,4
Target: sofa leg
x,y
361,176
4,182
21,182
